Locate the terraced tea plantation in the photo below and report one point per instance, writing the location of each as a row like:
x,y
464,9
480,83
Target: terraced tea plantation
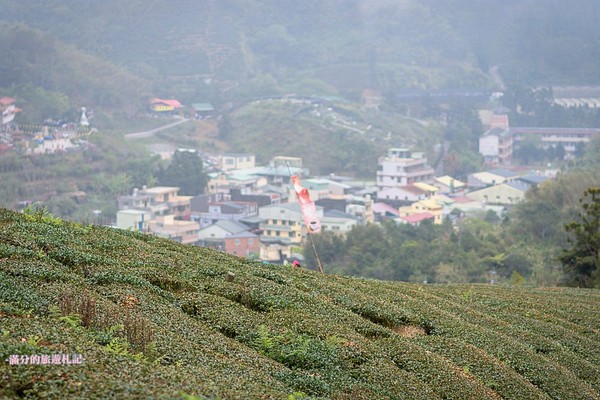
x,y
90,312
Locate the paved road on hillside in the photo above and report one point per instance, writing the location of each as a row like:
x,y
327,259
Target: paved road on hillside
x,y
138,135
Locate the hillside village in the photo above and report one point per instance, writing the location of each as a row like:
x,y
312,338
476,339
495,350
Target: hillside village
x,y
250,210
48,137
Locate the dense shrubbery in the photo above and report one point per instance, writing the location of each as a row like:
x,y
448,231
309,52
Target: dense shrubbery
x,y
153,318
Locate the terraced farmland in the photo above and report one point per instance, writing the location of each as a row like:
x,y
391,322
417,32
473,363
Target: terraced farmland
x,y
154,319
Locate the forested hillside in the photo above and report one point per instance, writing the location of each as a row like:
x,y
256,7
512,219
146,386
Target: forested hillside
x,y
49,77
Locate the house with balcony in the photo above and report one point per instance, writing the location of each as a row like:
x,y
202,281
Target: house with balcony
x,y
231,161
166,226
284,222
157,201
220,182
398,169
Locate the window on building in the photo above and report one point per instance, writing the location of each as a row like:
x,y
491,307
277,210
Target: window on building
x,y
237,242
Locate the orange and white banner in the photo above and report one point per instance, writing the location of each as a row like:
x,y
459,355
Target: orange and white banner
x,y
307,206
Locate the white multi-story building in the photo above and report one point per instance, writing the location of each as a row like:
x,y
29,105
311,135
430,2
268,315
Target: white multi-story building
x,y
496,146
400,168
8,111
567,137
158,200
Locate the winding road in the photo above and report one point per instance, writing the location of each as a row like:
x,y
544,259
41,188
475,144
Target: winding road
x,y
139,135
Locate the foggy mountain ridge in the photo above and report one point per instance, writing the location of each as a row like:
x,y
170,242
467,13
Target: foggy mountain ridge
x,y
348,45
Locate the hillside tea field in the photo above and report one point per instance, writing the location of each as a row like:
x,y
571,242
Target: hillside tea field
x,y
89,312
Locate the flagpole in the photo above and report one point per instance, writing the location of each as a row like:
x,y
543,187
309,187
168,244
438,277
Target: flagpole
x,y
316,254
312,242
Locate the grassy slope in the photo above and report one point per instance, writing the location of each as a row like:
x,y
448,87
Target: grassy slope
x,y
325,139
272,331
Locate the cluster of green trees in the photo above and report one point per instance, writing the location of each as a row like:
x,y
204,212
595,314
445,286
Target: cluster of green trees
x,y
478,251
582,259
535,107
186,171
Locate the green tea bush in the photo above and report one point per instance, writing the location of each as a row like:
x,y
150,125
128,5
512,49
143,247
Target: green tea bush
x,y
155,319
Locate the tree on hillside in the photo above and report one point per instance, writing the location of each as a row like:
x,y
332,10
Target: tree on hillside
x,y
582,261
186,172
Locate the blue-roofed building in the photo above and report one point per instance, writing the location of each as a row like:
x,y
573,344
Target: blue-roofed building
x,y
533,180
339,222
505,173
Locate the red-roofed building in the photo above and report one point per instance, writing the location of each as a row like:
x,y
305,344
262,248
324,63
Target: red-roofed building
x,y
416,219
162,106
5,101
499,121
382,211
